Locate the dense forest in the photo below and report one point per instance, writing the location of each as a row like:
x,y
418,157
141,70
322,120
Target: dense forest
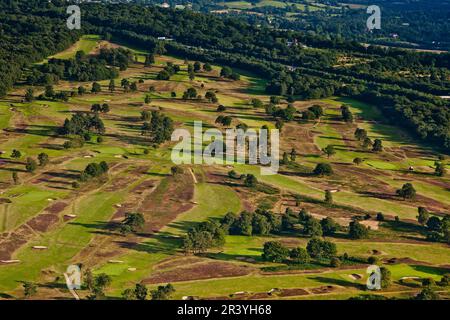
x,y
298,65
405,23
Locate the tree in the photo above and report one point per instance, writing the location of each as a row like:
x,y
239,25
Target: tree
x,y
211,96
133,86
16,154
385,277
279,124
112,85
190,93
149,60
328,197
88,279
427,294
15,178
226,72
319,249
299,256
377,145
407,191
329,226
274,251
440,170
105,108
434,224
43,159
380,216
140,292
250,181
347,115
423,216
256,103
358,231
293,155
163,292
29,95
360,134
197,66
31,165
207,67
147,99
329,150
96,87
163,75
81,90
316,110
100,283
29,289
335,262
367,143
133,222
312,228
49,92
358,161
146,115
128,294
323,169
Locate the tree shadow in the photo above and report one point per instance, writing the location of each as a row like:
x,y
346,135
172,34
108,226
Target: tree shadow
x,y
338,282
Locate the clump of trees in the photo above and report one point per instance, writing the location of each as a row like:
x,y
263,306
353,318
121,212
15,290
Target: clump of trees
x,y
285,114
407,191
139,292
260,222
96,284
82,68
80,123
94,170
227,72
190,93
169,70
133,222
438,230
358,231
312,113
323,169
347,115
224,120
159,128
103,108
163,292
318,249
206,235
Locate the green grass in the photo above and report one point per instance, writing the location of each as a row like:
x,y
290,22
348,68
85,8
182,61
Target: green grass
x,y
63,243
433,253
27,201
86,44
213,201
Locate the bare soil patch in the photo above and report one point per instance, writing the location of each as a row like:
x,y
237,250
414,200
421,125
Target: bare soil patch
x,y
200,271
293,292
43,222
178,262
170,198
323,289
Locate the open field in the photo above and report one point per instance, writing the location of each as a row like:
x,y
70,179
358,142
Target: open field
x,y
79,224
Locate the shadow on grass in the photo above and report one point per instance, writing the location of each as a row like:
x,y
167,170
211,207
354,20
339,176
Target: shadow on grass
x,y
438,271
338,282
